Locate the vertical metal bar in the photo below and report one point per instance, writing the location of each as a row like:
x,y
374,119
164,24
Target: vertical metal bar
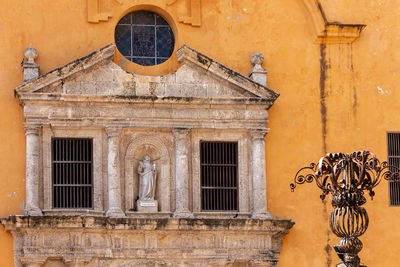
x,y
210,176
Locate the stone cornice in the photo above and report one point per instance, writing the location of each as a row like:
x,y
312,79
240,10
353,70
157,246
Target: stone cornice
x,y
66,70
330,32
185,55
336,33
57,98
137,241
189,55
16,222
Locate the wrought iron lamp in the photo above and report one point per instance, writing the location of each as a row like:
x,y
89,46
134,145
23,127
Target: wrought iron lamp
x,y
346,177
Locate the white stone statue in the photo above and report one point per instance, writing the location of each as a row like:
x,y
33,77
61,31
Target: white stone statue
x,y
147,179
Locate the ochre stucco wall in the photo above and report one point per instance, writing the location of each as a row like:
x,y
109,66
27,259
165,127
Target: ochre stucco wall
x,y
360,93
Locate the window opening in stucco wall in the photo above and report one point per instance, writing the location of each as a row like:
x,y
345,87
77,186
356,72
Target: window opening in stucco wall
x,y
219,175
72,173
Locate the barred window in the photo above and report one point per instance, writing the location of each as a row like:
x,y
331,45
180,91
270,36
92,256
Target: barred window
x,y
145,38
72,172
393,143
219,185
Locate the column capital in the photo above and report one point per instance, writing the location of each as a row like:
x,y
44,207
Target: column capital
x,y
259,133
33,261
76,262
113,131
31,128
181,132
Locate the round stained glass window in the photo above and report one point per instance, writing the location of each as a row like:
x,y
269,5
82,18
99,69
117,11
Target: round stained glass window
x,y
145,38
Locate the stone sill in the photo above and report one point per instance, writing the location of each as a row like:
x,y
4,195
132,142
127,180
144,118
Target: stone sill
x,y
221,215
73,212
137,214
14,222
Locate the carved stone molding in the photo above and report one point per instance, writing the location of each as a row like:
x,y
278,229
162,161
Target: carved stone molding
x,y
181,133
340,33
76,262
112,131
33,261
80,240
259,133
195,12
330,32
31,129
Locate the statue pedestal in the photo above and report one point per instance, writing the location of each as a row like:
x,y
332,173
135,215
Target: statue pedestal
x,y
147,205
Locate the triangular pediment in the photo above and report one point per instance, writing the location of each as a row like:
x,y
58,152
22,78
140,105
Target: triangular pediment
x,y
197,77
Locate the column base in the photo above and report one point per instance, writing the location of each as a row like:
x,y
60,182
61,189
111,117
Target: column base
x,y
262,216
33,211
183,214
115,212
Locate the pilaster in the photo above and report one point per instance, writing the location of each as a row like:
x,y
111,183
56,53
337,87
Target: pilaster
x,y
182,173
32,170
259,175
113,171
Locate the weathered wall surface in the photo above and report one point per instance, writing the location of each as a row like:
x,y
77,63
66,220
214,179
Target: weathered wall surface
x,y
358,87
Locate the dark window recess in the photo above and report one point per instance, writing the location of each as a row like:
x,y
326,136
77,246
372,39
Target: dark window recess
x,y
219,185
145,38
72,175
393,141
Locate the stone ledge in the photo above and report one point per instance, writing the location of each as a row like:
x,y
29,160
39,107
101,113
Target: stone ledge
x,y
336,33
137,241
14,222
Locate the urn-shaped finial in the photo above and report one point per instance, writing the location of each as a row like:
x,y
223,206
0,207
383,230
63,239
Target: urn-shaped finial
x,y
258,73
30,55
31,69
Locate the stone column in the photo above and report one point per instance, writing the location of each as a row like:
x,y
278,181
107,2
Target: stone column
x,y
113,171
259,175
181,173
32,170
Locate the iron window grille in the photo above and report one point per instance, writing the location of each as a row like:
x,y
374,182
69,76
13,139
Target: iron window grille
x,y
145,38
219,183
393,144
72,173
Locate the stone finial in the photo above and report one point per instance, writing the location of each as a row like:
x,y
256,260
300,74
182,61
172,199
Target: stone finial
x,y
31,69
257,59
31,54
258,74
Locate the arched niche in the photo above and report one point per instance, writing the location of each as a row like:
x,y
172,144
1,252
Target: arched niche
x,y
155,148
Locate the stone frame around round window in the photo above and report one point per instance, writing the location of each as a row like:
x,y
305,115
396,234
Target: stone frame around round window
x,y
145,38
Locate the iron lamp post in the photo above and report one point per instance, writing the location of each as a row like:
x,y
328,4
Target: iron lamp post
x,y
346,177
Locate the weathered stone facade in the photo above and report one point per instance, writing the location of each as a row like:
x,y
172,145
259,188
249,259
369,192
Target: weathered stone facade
x,y
102,241
128,116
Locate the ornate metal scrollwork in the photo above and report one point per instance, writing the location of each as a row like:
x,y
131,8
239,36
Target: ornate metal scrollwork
x,y
346,177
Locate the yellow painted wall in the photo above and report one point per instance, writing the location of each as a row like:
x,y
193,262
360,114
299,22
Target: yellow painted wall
x,y
360,93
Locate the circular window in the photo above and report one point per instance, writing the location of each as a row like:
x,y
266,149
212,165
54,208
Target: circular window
x,y
145,38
